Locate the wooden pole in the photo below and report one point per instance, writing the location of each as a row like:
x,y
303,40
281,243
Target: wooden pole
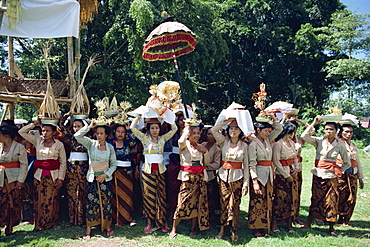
x,y
2,10
4,113
10,57
78,60
11,71
72,87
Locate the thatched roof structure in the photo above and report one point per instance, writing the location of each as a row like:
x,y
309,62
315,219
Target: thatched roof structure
x,y
31,90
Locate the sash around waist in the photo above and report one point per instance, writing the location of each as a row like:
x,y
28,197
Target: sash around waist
x,y
153,158
264,163
299,158
329,165
232,164
287,162
121,163
12,164
99,166
193,169
78,156
48,164
353,162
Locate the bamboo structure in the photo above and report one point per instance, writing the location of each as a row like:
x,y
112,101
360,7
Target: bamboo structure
x,y
33,91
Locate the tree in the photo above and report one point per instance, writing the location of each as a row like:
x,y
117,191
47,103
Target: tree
x,y
240,44
346,36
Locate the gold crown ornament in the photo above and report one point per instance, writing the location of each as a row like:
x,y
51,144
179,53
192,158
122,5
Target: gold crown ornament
x,y
194,122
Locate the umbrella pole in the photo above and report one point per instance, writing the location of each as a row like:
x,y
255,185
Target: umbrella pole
x,y
179,80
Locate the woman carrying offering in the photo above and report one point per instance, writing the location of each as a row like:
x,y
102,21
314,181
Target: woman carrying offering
x,y
13,172
233,173
50,169
123,186
347,184
286,164
298,142
261,170
325,195
77,168
102,164
153,177
214,164
192,200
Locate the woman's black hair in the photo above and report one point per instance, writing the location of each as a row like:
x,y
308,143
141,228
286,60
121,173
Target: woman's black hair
x,y
344,126
336,126
147,126
9,130
178,117
106,129
288,128
8,122
295,123
241,135
261,125
53,127
204,133
79,120
117,126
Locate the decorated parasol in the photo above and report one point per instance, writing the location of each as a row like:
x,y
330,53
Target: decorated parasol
x,y
169,40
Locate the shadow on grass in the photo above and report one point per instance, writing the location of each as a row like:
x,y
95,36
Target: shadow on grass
x,y
24,236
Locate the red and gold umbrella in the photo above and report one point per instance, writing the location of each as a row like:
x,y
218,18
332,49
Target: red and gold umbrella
x,y
169,40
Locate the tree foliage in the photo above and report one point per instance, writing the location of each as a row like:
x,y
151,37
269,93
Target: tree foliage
x,y
240,44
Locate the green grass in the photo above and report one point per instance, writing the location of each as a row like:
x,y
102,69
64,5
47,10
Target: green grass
x,y
358,235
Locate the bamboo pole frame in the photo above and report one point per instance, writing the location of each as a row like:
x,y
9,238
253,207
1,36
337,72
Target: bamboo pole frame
x,y
11,71
71,79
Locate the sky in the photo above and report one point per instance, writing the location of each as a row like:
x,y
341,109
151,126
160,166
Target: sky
x,y
360,6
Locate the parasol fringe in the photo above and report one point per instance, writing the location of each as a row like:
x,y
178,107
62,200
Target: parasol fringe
x,y
87,10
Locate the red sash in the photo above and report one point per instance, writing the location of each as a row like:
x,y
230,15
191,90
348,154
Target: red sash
x,y
329,165
287,162
353,162
12,164
299,158
264,163
155,167
231,164
193,169
49,164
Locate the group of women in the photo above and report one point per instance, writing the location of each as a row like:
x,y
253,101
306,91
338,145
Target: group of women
x,y
213,170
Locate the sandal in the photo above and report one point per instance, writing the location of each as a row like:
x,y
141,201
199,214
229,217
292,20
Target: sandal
x,y
148,229
298,222
276,230
172,235
56,228
133,223
193,234
234,238
219,237
165,229
86,237
333,234
291,231
320,222
257,234
110,233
